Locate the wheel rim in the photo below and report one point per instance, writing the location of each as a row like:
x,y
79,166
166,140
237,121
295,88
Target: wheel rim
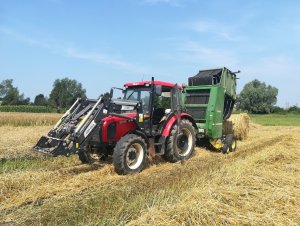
x,y
184,142
134,156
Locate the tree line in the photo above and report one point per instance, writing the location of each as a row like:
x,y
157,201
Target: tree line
x,y
256,97
63,94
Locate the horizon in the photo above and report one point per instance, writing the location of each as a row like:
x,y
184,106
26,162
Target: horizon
x,y
106,44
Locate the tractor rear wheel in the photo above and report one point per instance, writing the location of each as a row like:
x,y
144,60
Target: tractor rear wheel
x,y
229,144
180,146
130,154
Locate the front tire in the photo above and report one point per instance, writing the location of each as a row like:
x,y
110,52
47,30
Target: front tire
x,y
91,155
180,146
130,154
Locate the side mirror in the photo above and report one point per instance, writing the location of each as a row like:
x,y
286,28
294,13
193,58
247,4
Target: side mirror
x,y
158,90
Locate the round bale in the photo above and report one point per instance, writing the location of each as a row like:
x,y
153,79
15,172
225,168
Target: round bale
x,y
238,125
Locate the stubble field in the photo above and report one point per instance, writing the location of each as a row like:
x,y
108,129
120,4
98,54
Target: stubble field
x,y
259,184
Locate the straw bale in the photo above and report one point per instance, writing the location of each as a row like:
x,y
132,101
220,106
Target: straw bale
x,y
238,125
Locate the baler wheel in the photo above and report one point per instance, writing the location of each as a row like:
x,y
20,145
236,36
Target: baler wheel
x,y
229,144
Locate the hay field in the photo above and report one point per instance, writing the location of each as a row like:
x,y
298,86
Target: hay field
x,y
28,119
259,184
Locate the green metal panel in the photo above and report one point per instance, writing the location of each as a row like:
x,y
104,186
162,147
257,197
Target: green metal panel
x,y
228,82
211,120
214,112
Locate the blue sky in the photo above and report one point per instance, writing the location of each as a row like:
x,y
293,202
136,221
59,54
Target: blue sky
x,y
107,43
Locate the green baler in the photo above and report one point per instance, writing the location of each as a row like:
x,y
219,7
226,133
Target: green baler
x,y
210,97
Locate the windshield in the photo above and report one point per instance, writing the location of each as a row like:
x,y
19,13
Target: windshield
x,y
139,95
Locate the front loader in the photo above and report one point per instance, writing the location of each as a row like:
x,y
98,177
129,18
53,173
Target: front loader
x,y
148,120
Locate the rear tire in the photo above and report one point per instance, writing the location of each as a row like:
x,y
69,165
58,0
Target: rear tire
x,y
130,154
180,146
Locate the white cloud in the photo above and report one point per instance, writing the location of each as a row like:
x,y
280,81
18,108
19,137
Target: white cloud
x,y
23,38
101,58
194,52
278,68
227,32
104,59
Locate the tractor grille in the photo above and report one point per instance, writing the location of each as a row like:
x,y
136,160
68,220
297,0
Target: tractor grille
x,y
197,96
111,131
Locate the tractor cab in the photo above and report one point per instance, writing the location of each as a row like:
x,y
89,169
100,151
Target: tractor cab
x,y
158,101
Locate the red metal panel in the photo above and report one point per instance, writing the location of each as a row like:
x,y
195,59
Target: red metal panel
x,y
156,82
123,126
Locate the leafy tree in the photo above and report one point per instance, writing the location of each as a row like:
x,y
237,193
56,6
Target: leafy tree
x,y
23,100
10,95
105,95
65,92
257,97
162,102
5,86
40,100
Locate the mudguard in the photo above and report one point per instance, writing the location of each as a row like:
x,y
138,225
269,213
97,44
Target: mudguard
x,y
172,120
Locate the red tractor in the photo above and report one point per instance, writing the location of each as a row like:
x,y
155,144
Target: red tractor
x,y
148,120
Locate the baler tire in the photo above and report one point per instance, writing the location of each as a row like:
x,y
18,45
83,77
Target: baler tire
x,y
233,144
128,144
228,144
172,150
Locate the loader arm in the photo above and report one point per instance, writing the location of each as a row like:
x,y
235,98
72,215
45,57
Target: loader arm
x,y
60,139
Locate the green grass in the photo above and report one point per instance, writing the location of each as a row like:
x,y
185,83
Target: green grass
x,y
276,119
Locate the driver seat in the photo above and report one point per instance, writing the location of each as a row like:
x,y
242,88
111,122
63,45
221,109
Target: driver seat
x,y
157,115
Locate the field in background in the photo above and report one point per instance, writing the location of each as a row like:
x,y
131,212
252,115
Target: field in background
x,y
277,119
258,184
28,119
